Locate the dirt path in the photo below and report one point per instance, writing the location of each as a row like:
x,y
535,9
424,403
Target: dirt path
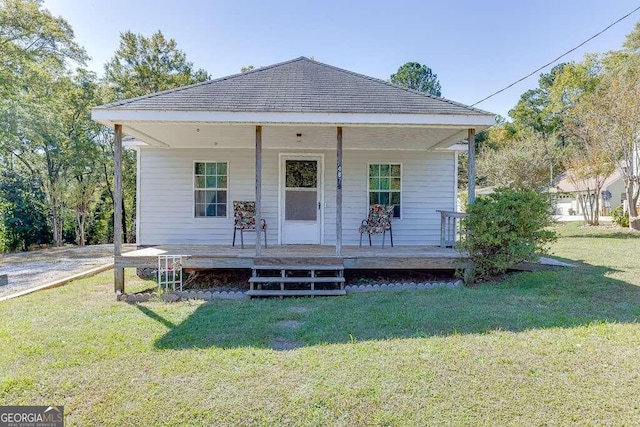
x,y
28,269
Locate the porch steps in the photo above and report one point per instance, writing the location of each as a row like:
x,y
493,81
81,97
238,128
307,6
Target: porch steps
x,y
282,278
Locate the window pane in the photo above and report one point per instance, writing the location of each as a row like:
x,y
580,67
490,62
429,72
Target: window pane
x,y
211,210
200,169
211,182
211,168
200,182
385,170
395,183
373,183
374,170
222,197
396,211
212,197
222,168
301,173
301,205
200,209
221,181
200,196
395,198
384,183
383,198
395,170
221,209
373,198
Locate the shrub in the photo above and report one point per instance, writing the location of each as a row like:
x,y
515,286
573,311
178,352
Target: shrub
x,y
620,217
503,229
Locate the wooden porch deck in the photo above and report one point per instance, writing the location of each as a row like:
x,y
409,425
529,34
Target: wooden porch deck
x,y
353,257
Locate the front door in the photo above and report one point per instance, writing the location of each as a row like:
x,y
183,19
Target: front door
x,y
300,204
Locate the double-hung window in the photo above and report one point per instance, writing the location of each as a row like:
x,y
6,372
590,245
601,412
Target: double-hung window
x,y
210,189
385,183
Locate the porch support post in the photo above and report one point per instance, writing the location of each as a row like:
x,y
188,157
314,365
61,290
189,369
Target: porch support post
x,y
339,192
118,272
472,166
258,190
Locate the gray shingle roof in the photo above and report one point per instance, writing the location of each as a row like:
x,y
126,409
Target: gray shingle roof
x,y
298,85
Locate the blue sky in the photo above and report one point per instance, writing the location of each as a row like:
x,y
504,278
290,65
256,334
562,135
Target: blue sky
x,y
475,47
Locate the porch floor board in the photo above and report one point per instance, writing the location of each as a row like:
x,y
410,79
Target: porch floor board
x,y
353,257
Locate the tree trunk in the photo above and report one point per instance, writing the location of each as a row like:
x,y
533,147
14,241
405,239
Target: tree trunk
x,y
56,223
81,219
632,201
585,208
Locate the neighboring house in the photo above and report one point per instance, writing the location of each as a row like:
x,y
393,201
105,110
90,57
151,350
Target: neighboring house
x,y
297,123
568,192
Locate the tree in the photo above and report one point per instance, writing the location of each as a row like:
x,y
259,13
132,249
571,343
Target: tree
x,y
247,68
617,114
23,219
534,111
414,75
36,50
32,41
587,169
144,65
524,162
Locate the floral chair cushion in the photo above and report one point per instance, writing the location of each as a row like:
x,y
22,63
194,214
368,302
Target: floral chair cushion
x,y
244,214
378,221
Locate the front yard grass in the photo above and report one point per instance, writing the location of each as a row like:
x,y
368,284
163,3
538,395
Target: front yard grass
x,y
547,348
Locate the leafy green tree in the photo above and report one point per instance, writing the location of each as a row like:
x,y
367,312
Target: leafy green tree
x,y
414,75
23,219
32,41
534,111
524,162
37,49
144,65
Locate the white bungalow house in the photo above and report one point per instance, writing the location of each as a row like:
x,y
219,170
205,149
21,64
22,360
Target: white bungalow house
x,y
313,145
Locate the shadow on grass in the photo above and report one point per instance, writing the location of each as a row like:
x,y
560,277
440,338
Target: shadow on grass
x,y
605,235
566,298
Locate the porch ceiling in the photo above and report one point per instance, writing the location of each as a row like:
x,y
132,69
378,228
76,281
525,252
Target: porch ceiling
x,y
207,135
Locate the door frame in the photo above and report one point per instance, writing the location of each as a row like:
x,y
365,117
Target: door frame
x,y
282,157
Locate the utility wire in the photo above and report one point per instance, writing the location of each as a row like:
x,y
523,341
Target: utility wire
x,y
558,58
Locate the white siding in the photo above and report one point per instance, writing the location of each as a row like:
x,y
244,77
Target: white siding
x,y
166,194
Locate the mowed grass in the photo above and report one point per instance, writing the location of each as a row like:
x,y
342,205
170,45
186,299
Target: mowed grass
x,y
547,348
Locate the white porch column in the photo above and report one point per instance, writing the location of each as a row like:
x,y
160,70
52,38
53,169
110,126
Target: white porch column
x,y
472,167
258,190
339,192
118,272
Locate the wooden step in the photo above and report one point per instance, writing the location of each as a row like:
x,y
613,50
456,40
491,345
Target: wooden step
x,y
296,280
297,293
298,267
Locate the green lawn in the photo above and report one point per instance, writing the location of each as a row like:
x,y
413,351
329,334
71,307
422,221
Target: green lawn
x,y
547,348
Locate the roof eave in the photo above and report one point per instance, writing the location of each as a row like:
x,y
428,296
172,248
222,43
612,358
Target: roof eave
x,y
109,116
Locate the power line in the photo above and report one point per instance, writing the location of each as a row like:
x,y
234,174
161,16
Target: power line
x,y
558,58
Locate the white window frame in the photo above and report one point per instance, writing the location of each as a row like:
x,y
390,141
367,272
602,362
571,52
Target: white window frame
x,y
401,185
193,190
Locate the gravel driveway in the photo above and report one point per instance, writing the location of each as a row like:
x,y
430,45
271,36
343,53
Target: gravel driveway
x,y
28,269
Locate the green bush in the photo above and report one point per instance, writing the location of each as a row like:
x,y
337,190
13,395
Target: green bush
x,y
620,217
503,229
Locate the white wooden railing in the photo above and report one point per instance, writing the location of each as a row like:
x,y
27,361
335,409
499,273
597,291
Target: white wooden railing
x,y
450,228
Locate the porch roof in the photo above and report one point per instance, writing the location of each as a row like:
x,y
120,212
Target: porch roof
x,y
296,91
